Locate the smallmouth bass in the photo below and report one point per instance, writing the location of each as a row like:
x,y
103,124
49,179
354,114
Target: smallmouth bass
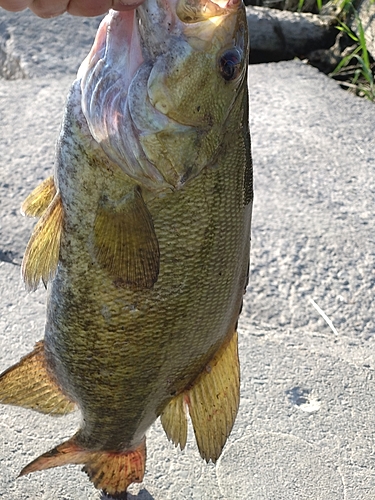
x,y
143,239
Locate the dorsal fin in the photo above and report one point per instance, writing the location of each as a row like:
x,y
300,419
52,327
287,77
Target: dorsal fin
x,y
42,252
212,402
28,384
125,241
39,199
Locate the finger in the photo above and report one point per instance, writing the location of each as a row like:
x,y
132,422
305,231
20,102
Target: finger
x,y
49,8
126,4
89,8
15,5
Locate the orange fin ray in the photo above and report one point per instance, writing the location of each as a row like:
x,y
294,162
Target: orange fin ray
x,y
125,242
39,199
111,472
212,402
42,252
29,385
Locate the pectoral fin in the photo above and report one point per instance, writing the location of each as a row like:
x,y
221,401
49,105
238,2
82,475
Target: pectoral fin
x,y
38,200
125,242
212,402
28,384
42,252
110,471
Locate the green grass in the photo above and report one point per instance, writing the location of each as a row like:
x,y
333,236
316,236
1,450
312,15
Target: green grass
x,y
357,64
319,4
356,70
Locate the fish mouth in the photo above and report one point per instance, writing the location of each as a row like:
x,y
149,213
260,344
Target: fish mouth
x,y
124,97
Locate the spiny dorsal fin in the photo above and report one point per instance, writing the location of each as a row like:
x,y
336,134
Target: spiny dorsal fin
x,y
212,402
42,252
111,472
28,384
125,241
38,200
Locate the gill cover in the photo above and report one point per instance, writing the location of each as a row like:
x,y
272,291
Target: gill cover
x,y
148,82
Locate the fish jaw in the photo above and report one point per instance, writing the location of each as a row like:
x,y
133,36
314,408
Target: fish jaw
x,y
114,64
105,76
142,77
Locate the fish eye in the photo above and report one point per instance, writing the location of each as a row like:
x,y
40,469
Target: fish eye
x,y
230,64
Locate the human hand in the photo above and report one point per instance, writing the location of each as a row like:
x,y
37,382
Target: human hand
x,y
52,8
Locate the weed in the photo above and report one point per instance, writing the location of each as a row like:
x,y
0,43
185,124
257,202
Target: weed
x,y
356,63
319,5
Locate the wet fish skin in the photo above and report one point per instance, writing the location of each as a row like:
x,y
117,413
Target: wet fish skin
x,y
153,255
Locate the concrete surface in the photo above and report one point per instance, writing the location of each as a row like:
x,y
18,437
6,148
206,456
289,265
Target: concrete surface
x,y
305,429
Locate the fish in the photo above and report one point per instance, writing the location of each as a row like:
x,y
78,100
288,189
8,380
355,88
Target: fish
x,y
143,241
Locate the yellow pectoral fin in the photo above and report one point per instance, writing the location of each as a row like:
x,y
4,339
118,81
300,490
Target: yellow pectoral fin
x,y
29,385
212,402
42,252
38,200
125,242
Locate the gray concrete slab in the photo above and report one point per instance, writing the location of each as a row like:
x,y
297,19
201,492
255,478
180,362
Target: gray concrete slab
x,y
305,426
34,47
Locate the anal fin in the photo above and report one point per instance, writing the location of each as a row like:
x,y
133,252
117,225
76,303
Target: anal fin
x,y
42,252
39,199
125,241
111,472
29,385
212,402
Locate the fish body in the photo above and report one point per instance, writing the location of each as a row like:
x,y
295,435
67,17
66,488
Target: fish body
x,y
144,238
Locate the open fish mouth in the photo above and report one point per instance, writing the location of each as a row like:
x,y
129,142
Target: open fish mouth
x,y
135,86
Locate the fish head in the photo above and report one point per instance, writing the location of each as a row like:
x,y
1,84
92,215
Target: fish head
x,y
160,83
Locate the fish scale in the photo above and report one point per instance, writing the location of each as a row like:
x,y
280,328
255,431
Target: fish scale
x,y
146,285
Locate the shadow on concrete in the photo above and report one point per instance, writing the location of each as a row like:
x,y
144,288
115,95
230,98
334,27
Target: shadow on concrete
x,y
142,495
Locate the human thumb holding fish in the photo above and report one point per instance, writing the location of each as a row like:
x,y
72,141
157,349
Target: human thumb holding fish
x,y
53,8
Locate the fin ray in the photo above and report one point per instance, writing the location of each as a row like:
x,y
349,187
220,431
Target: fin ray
x,y
174,421
42,252
112,472
125,242
212,402
39,199
29,385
